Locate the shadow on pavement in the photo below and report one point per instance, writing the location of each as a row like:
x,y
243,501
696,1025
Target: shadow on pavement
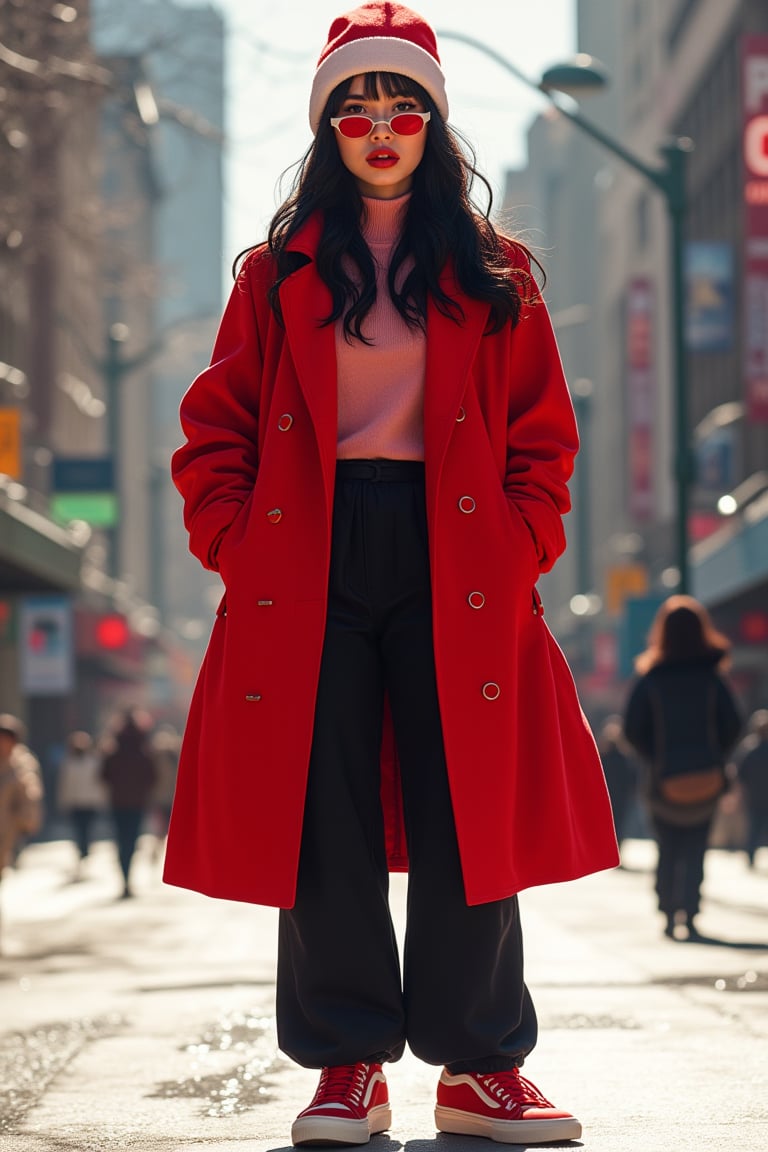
x,y
717,941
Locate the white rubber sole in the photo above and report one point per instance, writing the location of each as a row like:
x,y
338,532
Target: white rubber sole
x,y
507,1131
334,1130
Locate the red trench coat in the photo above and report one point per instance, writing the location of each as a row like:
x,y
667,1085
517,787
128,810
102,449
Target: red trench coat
x,y
257,477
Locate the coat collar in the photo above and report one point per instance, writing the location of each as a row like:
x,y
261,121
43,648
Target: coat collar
x,y
451,348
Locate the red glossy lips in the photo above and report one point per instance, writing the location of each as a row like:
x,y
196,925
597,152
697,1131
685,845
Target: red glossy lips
x,y
382,158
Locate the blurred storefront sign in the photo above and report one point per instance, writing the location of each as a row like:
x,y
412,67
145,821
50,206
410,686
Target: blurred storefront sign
x,y
10,442
755,152
753,627
621,581
45,646
709,293
634,627
641,392
702,525
715,455
84,489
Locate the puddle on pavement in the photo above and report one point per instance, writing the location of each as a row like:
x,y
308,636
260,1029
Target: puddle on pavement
x,y
227,1090
29,1061
750,981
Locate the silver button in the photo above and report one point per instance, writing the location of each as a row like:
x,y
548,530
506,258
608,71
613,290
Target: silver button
x,y
252,698
285,422
467,504
263,603
461,416
491,690
274,515
476,600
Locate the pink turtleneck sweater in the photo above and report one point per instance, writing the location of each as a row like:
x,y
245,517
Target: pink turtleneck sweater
x,y
381,385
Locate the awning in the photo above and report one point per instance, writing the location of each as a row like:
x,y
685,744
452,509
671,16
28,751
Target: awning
x,y
36,554
735,559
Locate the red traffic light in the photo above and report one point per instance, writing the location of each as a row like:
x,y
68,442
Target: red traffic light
x,y
112,632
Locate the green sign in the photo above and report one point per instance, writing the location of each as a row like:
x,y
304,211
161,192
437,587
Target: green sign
x,y
96,508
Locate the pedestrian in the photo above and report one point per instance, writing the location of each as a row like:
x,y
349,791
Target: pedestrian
x,y
21,789
376,462
81,792
129,772
620,774
682,719
752,775
165,751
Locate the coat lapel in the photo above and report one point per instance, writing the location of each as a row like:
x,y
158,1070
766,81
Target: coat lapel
x,y
451,348
305,300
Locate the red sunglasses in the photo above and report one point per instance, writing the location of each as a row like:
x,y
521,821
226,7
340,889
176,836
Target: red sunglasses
x,y
403,124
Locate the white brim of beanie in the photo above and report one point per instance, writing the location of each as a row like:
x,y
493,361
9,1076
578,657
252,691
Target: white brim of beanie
x,y
376,54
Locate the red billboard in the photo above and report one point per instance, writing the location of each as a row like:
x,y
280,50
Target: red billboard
x,y
755,153
641,397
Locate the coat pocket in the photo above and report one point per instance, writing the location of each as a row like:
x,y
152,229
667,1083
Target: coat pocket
x,y
526,543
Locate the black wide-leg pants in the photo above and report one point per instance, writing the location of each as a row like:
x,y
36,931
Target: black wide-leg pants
x,y
340,998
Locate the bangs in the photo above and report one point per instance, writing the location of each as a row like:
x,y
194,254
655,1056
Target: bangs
x,y
382,84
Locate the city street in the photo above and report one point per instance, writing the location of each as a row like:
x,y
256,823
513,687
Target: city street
x,y
385,385
148,1023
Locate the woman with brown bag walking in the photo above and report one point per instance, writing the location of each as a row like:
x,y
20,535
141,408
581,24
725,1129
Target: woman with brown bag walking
x,y
682,718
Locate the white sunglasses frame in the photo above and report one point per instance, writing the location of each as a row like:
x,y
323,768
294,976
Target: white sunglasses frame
x,y
336,121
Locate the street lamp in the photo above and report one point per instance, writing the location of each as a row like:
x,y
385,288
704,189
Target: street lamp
x,y
583,74
581,394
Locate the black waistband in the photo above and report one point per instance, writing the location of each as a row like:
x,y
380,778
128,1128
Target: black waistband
x,y
381,470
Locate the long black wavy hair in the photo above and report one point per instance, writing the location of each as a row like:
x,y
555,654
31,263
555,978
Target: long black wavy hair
x,y
441,221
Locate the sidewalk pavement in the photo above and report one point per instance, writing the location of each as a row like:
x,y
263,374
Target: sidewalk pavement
x,y
149,1023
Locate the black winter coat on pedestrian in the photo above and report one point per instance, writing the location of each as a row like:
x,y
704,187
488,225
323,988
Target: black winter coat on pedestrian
x,y
681,717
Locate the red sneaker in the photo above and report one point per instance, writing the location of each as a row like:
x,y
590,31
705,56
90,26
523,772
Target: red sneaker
x,y
350,1105
502,1106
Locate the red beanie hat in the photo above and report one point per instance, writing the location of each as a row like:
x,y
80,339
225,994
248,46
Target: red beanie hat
x,y
378,38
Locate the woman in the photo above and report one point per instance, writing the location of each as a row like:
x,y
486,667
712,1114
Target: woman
x,y
81,791
165,746
376,462
682,719
129,772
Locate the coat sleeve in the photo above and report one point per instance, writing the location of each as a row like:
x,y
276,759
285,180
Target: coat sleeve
x,y
728,719
542,439
638,720
215,469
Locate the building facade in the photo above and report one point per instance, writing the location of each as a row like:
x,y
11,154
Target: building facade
x,y
181,49
676,70
111,212
49,295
